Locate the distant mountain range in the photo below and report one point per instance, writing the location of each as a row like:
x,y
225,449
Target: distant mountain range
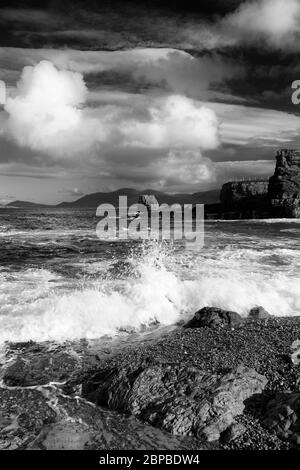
x,y
25,204
95,199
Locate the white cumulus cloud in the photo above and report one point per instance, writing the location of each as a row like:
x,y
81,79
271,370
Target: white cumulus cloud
x,y
45,114
278,21
177,122
49,113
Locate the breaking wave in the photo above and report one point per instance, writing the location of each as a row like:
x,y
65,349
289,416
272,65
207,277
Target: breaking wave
x,y
155,284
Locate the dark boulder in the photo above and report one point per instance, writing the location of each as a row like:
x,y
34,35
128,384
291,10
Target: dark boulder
x,y
282,416
40,368
258,313
235,431
213,316
183,401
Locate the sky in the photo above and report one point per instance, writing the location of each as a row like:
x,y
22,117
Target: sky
x,y
174,96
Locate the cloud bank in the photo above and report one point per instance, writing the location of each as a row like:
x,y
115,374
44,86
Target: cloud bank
x,y
50,114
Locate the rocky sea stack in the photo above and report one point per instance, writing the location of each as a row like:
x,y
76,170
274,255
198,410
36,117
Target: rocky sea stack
x,y
284,186
277,197
148,200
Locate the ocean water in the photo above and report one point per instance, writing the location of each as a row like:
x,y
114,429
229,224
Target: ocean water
x,y
59,282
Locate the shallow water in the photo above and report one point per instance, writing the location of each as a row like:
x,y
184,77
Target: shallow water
x,y
59,282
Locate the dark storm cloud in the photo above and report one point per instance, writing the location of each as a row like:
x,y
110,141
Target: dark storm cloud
x,y
218,32
92,25
136,70
268,77
116,25
132,56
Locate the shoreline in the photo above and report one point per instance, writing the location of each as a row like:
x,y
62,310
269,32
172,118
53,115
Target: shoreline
x,y
67,371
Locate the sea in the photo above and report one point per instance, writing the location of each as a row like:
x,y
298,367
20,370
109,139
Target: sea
x,y
60,282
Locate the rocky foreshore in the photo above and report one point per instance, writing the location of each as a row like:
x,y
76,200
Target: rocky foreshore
x,y
218,382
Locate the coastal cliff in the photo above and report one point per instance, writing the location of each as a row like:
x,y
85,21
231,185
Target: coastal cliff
x,y
241,193
284,185
278,197
241,200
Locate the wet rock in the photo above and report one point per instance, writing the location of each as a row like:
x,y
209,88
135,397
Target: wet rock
x,y
213,316
180,400
259,313
282,416
295,352
64,435
91,427
40,368
235,431
45,419
31,346
23,414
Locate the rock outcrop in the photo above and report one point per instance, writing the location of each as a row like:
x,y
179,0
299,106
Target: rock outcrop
x,y
241,200
207,385
148,200
213,316
183,401
235,431
45,419
282,416
284,186
278,197
259,313
40,369
237,194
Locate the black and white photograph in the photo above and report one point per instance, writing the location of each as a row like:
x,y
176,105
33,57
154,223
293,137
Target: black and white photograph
x,y
149,230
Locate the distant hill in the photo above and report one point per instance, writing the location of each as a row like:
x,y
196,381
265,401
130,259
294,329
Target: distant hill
x,y
203,197
95,199
25,204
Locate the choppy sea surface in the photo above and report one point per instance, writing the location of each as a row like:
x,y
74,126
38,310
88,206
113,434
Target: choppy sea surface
x,y
59,282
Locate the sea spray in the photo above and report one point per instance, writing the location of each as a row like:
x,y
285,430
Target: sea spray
x,y
151,294
131,287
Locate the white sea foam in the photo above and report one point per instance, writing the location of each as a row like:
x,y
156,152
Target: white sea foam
x,y
162,287
151,294
255,221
